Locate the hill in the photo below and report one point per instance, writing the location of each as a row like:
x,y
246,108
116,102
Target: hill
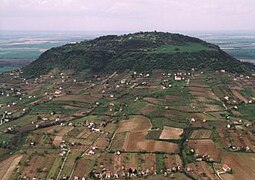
x,y
141,51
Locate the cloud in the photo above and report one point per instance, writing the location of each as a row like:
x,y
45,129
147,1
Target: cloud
x,y
128,14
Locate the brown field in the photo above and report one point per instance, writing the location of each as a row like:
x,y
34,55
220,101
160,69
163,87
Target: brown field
x,y
135,123
86,141
198,116
237,137
118,141
70,162
149,162
148,108
154,100
121,163
172,161
8,166
201,134
183,108
209,107
79,98
202,171
237,140
242,165
205,147
172,98
198,83
171,133
59,137
249,143
117,163
136,142
223,135
84,134
199,88
135,160
106,159
132,161
102,142
238,96
203,92
171,113
136,129
83,168
38,162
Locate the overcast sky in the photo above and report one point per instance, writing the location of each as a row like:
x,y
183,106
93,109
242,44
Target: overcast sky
x,y
127,15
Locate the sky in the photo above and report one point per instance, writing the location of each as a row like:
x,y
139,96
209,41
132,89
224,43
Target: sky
x,y
127,15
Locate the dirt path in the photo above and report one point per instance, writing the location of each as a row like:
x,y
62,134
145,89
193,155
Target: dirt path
x,y
11,168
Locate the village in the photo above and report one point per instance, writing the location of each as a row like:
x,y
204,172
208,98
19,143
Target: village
x,y
178,125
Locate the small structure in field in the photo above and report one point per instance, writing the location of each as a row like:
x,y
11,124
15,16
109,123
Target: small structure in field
x,y
58,92
177,78
123,81
226,168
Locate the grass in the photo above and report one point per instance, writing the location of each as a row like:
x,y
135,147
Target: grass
x,y
153,135
5,138
8,99
91,118
23,122
57,106
218,91
160,162
247,111
118,141
70,163
75,131
28,101
178,89
188,47
100,110
55,168
158,122
248,92
134,108
187,156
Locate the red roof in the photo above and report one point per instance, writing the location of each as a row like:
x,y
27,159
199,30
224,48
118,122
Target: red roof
x,y
225,166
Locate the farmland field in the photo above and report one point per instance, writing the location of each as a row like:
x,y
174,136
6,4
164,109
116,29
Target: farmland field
x,y
171,133
152,126
205,147
240,163
201,134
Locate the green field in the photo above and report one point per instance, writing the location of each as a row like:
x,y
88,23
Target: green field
x,y
189,48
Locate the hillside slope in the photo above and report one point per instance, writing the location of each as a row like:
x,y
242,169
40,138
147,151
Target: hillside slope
x,y
141,51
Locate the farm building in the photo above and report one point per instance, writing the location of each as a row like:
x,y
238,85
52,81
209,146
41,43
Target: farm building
x,y
226,168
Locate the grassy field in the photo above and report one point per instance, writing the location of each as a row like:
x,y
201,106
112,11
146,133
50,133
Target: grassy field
x,y
190,47
247,111
57,106
160,163
248,92
55,168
